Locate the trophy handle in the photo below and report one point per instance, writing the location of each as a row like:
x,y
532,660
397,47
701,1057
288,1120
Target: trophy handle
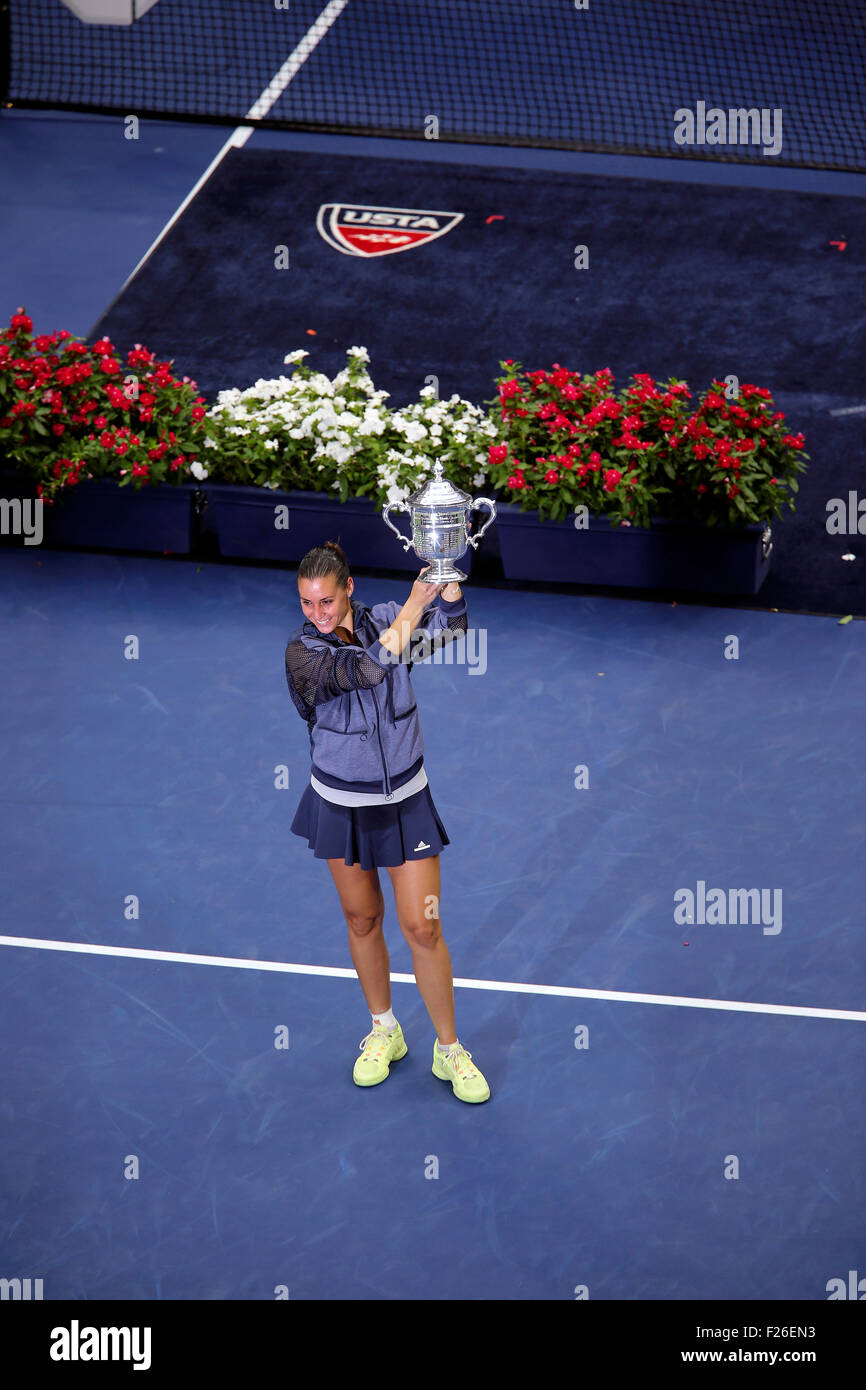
x,y
399,507
484,502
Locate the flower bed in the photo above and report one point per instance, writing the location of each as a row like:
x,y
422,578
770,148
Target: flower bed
x,y
558,444
64,417
568,444
310,433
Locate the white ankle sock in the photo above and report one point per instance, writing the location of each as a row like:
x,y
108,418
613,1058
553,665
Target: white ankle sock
x,y
450,1048
387,1020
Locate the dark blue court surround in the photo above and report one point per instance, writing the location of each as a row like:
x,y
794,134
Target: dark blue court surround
x,y
686,280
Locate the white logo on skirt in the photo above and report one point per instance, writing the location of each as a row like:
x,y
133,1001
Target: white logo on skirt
x,y
420,845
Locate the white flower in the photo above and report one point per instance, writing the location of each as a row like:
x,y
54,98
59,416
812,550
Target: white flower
x,y
360,353
479,480
296,355
413,431
198,471
372,423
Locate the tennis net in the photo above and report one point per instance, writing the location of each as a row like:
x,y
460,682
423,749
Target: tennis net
x,y
743,80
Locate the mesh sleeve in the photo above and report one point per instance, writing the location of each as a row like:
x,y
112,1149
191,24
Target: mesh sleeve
x,y
457,621
440,636
316,675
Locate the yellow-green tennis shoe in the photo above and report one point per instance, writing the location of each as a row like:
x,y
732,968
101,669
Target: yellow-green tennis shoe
x,y
379,1049
458,1068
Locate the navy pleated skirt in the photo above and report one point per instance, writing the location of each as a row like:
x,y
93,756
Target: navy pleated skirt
x,y
372,836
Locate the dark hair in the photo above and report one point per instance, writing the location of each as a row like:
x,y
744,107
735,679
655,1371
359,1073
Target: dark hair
x,y
324,560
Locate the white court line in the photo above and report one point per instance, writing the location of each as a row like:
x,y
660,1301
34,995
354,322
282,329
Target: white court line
x,y
508,986
260,108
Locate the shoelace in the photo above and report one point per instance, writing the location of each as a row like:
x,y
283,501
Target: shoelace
x,y
460,1065
379,1033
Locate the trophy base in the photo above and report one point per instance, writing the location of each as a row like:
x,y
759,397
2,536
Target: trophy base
x,y
442,572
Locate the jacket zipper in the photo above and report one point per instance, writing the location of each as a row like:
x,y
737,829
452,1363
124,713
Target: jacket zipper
x,y
387,782
386,779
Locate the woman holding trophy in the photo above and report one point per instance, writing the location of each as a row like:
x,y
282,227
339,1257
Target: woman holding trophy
x,y
368,804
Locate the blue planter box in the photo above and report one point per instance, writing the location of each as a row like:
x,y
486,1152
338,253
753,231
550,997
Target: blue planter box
x,y
244,521
100,514
666,555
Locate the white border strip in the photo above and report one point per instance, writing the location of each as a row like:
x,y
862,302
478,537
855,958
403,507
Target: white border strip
x,y
508,986
260,108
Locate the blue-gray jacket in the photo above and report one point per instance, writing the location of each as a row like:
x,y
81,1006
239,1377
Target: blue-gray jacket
x,y
358,701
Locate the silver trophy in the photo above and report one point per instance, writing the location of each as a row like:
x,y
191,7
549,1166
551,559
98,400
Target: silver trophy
x,y
439,513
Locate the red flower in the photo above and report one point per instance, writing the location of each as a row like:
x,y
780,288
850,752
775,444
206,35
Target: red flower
x,y
551,476
611,477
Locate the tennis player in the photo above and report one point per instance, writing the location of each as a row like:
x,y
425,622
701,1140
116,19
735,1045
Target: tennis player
x,y
367,805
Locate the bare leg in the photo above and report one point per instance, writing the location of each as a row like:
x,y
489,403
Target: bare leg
x,y
364,909
416,894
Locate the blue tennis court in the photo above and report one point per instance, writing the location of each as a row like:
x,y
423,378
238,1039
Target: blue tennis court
x,y
652,894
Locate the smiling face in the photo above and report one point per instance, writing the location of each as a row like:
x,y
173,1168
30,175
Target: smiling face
x,y
325,603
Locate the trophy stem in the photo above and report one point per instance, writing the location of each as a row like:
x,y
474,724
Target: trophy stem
x,y
442,572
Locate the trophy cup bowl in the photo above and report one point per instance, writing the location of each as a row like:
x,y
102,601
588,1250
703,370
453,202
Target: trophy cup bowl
x,y
439,518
